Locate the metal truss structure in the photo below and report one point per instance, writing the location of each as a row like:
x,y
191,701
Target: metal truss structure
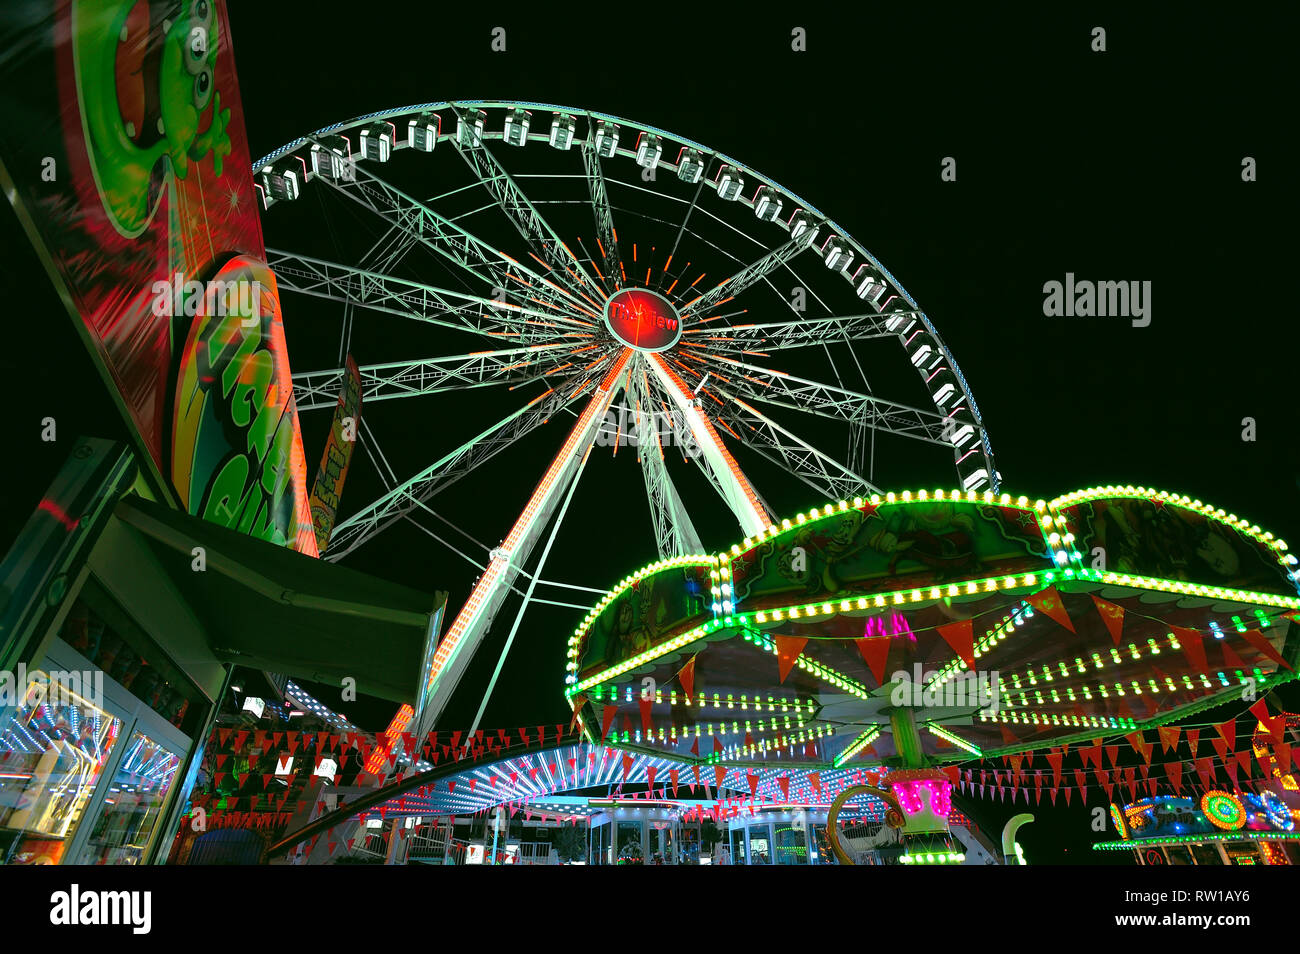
x,y
540,311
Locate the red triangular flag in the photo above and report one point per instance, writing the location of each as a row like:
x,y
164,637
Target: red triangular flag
x,y
1193,647
1174,771
1227,730
1168,737
1112,615
1049,603
875,653
687,678
788,649
1264,647
645,704
1231,660
960,636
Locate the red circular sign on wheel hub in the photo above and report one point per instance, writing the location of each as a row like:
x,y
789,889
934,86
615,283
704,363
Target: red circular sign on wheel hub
x,y
643,319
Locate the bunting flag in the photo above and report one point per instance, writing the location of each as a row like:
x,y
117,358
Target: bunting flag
x,y
1054,759
578,703
1112,615
960,636
686,676
645,704
719,773
1205,771
875,653
672,775
1193,644
1048,602
1140,745
1230,658
1227,730
1264,647
1168,737
1174,772
788,649
1193,737
752,779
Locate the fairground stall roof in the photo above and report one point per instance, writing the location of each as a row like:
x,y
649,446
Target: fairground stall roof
x,y
873,631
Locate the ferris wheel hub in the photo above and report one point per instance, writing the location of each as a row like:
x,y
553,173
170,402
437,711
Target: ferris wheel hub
x,y
642,319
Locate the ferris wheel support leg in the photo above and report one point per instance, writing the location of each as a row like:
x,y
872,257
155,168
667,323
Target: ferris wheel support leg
x,y
739,493
675,534
472,622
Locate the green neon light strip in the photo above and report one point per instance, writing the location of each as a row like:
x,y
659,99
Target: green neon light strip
x,y
955,740
857,745
1239,835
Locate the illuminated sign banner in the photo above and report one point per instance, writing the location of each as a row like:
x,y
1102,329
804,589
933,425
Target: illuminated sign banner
x,y
337,456
125,157
643,320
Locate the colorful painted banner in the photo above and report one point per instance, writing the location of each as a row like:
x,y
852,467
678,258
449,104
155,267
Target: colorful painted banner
x,y
125,157
337,456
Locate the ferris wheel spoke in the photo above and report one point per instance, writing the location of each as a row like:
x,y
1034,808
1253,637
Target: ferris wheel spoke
x,y
427,303
749,275
438,476
779,389
818,470
606,236
794,333
675,533
552,251
744,502
475,617
396,379
452,242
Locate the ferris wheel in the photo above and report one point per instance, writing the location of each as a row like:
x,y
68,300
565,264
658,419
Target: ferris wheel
x,y
648,291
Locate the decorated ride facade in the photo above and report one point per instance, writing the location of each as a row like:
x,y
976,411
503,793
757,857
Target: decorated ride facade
x,y
901,635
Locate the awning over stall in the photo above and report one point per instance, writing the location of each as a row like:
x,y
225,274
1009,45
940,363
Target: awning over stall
x,y
271,608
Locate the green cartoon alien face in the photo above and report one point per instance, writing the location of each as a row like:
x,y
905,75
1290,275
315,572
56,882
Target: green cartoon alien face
x,y
186,81
146,81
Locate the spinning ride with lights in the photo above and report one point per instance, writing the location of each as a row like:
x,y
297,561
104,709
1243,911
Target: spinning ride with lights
x,y
909,633
646,285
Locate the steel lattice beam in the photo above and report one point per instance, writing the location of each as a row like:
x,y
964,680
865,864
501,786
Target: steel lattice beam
x,y
743,501
760,433
428,303
604,217
379,382
825,400
795,333
451,467
525,217
751,274
475,617
454,243
675,534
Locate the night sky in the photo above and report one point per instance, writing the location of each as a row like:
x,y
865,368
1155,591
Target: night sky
x,y
1123,165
